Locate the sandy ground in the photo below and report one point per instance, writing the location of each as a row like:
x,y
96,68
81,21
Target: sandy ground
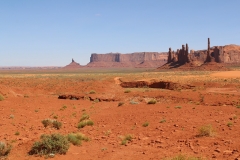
x,y
174,121
232,74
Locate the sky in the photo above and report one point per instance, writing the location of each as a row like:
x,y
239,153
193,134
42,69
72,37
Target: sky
x,y
52,32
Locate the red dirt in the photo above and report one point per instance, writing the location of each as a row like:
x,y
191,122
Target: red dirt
x,y
30,98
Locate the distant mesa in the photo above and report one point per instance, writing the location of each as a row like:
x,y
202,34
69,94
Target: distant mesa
x,y
73,65
130,60
214,58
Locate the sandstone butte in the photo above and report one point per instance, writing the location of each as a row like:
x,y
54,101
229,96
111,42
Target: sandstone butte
x,y
212,58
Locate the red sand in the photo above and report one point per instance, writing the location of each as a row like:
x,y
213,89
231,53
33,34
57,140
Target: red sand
x,y
31,98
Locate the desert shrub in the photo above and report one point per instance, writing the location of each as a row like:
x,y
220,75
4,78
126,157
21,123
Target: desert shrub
x,y
57,124
84,117
238,106
52,123
85,123
163,120
184,157
4,149
152,101
63,108
50,144
96,100
17,133
178,107
120,104
126,138
77,138
1,98
127,91
229,124
46,122
145,124
92,92
206,130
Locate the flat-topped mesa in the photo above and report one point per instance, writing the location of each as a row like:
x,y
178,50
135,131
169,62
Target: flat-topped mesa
x,y
131,57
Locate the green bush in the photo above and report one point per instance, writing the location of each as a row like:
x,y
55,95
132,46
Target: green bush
x,y
145,124
152,101
163,120
92,92
50,144
77,138
184,157
85,123
57,124
1,98
84,117
206,130
127,91
4,149
47,122
178,107
126,138
51,123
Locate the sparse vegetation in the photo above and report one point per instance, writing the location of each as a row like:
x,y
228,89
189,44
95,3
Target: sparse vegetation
x,y
229,124
145,124
92,92
17,133
50,144
77,138
4,149
56,124
127,91
63,108
206,130
51,123
126,139
84,117
85,121
107,133
1,98
184,157
178,107
152,101
163,121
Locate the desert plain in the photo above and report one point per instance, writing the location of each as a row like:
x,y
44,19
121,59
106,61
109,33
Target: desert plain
x,y
162,121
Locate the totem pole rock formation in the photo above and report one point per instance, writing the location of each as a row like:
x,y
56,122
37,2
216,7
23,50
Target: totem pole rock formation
x,y
181,57
214,55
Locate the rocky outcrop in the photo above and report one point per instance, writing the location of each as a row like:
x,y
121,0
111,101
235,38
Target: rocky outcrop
x,y
137,59
73,65
213,58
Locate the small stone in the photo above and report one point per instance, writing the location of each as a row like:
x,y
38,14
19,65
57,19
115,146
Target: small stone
x,y
227,152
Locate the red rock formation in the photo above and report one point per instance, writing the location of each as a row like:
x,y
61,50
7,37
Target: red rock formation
x,y
209,59
72,65
137,59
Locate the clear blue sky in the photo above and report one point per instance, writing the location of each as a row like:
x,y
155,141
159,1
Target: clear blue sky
x,y
51,32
